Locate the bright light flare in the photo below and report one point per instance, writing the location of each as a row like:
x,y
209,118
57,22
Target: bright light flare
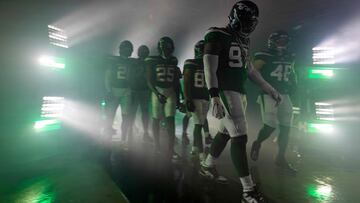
x,y
325,128
320,73
52,62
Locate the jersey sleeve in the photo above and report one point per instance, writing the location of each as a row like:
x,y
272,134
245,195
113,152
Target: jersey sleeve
x,y
215,35
150,61
189,64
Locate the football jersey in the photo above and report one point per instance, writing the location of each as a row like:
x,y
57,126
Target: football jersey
x,y
277,70
231,72
164,71
197,78
139,81
121,69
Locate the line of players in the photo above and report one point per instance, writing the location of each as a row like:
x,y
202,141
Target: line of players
x,y
214,80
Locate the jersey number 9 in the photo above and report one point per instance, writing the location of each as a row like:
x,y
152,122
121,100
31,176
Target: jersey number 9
x,y
235,57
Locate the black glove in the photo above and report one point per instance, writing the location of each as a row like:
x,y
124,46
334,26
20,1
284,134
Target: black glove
x,y
190,105
162,98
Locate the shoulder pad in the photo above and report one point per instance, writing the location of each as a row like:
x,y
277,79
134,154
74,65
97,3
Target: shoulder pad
x,y
151,58
218,31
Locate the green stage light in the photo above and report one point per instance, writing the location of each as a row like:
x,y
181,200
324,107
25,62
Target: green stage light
x,y
320,73
52,62
320,127
47,125
103,103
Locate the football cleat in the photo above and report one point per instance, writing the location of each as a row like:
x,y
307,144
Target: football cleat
x,y
253,196
212,174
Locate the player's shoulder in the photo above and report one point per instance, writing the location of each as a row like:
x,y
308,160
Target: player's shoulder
x,y
217,33
152,58
263,54
173,59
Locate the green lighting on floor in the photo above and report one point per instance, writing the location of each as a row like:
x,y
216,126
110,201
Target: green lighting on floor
x,y
52,62
320,192
318,127
47,125
103,103
320,73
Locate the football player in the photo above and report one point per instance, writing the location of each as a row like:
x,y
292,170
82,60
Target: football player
x,y
140,92
227,65
163,80
117,84
197,97
276,65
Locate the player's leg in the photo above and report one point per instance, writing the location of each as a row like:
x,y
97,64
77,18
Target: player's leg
x,y
156,111
133,107
199,119
144,106
208,166
235,122
208,138
269,118
285,115
185,124
169,111
125,104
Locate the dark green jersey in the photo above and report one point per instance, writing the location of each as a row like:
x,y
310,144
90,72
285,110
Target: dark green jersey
x,y
164,71
198,89
278,70
231,72
121,69
139,80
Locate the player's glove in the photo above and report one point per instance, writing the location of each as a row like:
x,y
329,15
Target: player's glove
x,y
217,110
276,96
190,105
162,98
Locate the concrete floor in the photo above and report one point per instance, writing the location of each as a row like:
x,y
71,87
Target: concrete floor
x,y
63,166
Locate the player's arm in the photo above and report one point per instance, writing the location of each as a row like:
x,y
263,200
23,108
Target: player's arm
x,y
150,78
188,81
256,77
258,64
211,62
212,51
187,84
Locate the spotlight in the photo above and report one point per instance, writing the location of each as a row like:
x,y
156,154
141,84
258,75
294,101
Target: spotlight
x,y
320,72
57,36
52,62
51,113
320,127
323,55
